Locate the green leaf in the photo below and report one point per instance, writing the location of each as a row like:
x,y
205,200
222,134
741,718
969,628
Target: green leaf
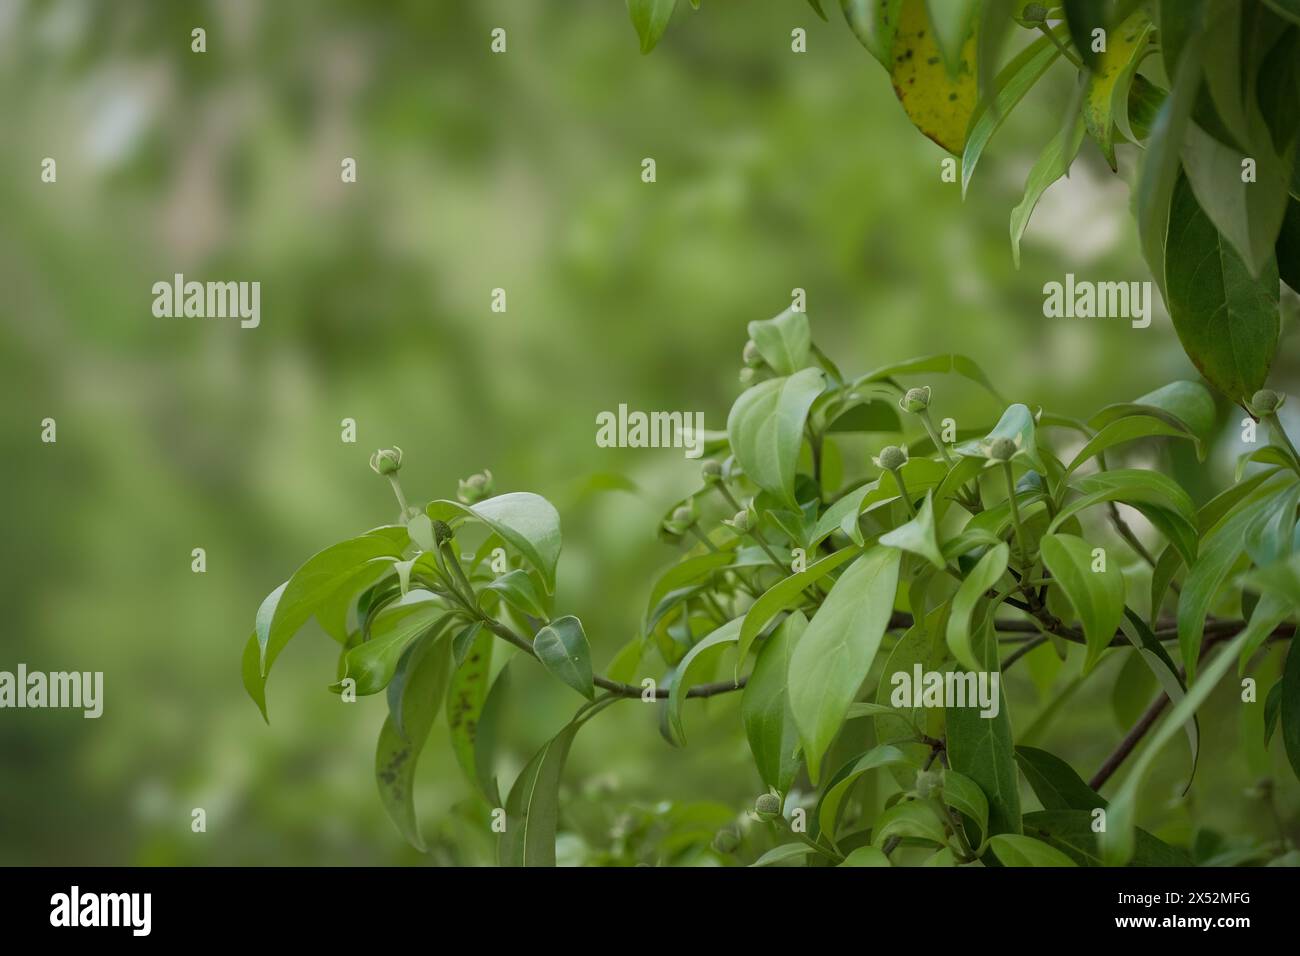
x,y
873,22
288,607
1188,404
784,594
765,428
1055,783
525,521
1097,596
986,573
1290,9
251,671
1227,322
964,795
943,364
981,749
1125,430
1017,424
765,707
687,571
1053,163
1165,671
953,22
1016,850
1139,488
938,104
1070,831
839,785
1289,708
533,806
562,648
518,590
372,663
1118,842
836,652
699,659
1013,82
914,818
466,698
1288,246
396,754
785,342
783,854
1082,17
919,536
1218,552
1160,165
866,856
333,613
1112,72
650,17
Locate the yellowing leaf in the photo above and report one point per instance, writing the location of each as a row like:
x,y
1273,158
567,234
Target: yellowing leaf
x,y
939,104
1108,84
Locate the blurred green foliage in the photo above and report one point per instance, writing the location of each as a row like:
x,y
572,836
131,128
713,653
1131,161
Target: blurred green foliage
x,y
475,171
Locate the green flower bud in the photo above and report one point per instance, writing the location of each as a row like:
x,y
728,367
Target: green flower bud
x,y
386,461
748,376
1033,13
1266,401
915,400
1002,449
726,840
892,457
475,488
767,806
441,532
751,356
680,520
741,521
711,471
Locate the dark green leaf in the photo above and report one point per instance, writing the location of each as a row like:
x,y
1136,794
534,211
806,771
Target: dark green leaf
x,y
765,707
562,647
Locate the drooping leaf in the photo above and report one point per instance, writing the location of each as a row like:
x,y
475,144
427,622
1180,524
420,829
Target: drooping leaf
x,y
1124,430
650,17
765,428
1227,321
953,22
964,795
765,707
1112,72
873,22
1289,708
1083,17
1163,669
396,754
1097,595
699,659
938,104
1071,832
943,364
1055,783
1013,82
836,652
1053,163
981,749
371,664
562,648
466,697
986,573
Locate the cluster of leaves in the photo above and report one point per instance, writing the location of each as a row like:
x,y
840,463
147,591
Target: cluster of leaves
x,y
806,583
1206,89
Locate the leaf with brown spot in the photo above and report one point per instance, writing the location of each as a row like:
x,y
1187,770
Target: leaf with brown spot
x,y
938,103
1108,84
423,674
465,699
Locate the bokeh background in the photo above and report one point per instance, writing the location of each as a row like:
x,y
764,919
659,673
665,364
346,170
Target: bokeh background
x,y
475,171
